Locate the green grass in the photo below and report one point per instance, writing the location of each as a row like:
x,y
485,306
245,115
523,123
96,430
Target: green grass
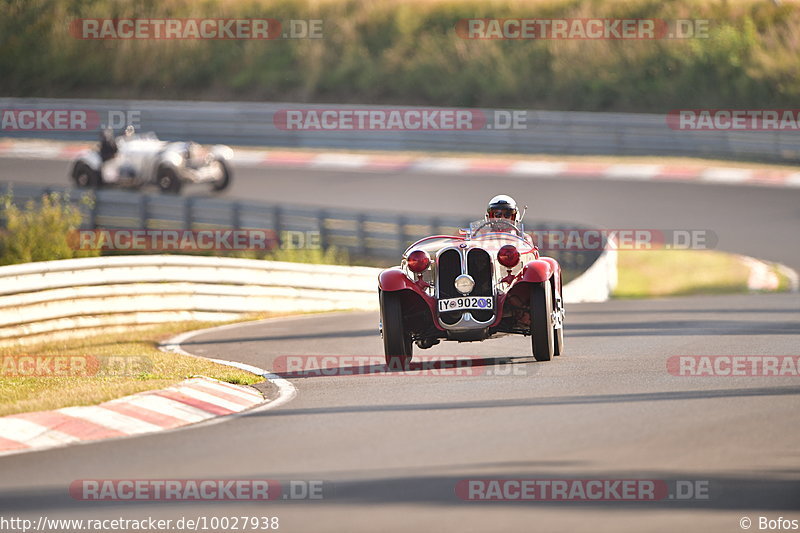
x,y
314,256
408,52
40,230
784,283
149,369
656,273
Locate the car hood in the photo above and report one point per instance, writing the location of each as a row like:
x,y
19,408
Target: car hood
x,y
489,241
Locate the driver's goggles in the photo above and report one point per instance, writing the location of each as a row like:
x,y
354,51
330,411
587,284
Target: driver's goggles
x,y
501,213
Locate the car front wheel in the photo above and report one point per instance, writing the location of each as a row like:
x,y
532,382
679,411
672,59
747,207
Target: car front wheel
x,y
168,180
85,176
542,332
397,343
225,180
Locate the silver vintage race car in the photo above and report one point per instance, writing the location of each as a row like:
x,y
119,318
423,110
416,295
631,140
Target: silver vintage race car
x,y
134,160
487,281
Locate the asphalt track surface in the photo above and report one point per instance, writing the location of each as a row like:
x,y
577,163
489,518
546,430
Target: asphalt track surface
x,y
392,448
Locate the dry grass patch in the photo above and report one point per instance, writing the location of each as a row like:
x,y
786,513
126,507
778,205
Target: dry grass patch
x,y
128,363
654,273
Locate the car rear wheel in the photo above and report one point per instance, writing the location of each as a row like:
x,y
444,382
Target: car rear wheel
x,y
222,183
542,332
85,176
168,180
397,343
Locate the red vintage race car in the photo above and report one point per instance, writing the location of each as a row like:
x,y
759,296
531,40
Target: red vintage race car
x,y
485,282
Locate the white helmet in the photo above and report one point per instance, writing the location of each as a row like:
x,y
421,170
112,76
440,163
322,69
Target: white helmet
x,y
502,206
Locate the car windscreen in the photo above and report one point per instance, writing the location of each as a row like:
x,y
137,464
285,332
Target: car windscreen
x,y
482,228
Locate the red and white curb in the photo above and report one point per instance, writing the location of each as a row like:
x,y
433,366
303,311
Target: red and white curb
x,y
198,400
524,168
189,402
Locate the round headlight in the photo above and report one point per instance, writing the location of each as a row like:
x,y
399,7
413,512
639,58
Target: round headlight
x,y
508,256
464,283
418,261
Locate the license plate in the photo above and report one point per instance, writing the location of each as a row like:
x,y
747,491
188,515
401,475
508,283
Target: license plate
x,y
467,302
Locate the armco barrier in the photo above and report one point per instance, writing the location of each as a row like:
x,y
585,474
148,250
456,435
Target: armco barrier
x,y
546,132
75,294
366,235
68,297
595,284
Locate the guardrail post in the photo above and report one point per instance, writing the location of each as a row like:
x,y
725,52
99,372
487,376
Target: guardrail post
x,y
188,212
236,215
93,212
323,231
361,235
401,233
436,226
144,210
276,224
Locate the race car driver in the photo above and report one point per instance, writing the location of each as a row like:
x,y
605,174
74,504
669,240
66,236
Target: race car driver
x,y
108,145
502,206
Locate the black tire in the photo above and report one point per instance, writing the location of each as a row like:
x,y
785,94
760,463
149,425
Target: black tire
x,y
84,176
397,344
222,184
542,333
168,181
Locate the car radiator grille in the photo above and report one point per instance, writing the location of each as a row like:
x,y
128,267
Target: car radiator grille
x,y
449,269
479,266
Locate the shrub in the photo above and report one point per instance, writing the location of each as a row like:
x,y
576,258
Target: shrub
x,y
408,53
40,231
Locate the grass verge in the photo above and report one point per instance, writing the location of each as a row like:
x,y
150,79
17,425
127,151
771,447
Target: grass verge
x,y
655,273
784,283
129,363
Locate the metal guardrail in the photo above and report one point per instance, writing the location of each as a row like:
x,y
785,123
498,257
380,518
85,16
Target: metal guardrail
x,y
373,237
547,132
70,296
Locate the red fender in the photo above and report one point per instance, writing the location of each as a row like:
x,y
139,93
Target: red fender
x,y
394,279
537,271
553,264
